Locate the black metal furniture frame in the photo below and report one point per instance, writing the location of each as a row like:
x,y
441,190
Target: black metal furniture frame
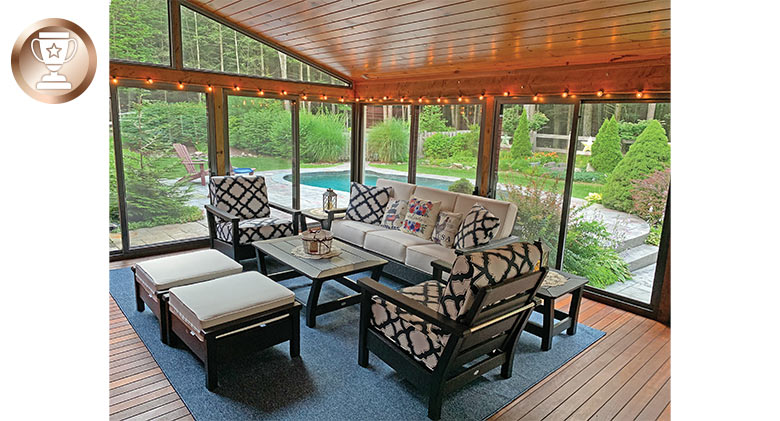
x,y
488,333
156,301
313,307
255,332
234,248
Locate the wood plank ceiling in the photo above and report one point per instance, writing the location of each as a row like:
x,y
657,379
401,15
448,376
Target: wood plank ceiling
x,y
375,40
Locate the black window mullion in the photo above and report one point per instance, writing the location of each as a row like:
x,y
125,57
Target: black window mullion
x,y
120,170
414,118
568,186
296,153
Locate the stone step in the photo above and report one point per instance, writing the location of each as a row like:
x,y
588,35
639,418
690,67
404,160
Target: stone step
x,y
640,256
635,239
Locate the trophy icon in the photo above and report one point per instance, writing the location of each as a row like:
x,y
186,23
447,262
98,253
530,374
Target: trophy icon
x,y
53,47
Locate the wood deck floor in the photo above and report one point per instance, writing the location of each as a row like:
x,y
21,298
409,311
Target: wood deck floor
x,y
626,375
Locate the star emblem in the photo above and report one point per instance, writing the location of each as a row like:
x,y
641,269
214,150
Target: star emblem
x,y
54,51
587,145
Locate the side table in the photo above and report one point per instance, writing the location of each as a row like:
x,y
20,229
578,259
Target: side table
x,y
556,321
316,214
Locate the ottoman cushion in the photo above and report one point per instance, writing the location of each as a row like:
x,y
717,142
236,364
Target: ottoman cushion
x,y
222,300
185,269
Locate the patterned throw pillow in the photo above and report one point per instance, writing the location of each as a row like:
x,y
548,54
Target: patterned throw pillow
x,y
395,214
478,228
367,204
421,217
446,228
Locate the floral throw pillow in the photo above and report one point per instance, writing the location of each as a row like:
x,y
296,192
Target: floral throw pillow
x,y
478,228
421,217
446,228
395,214
367,204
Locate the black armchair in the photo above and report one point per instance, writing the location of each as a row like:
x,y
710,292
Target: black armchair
x,y
240,213
429,332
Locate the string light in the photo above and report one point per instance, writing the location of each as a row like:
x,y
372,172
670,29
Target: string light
x,y
209,88
304,97
371,99
341,99
284,92
181,85
482,95
565,93
419,99
600,93
639,93
384,97
438,99
460,98
357,99
149,80
324,97
260,92
114,79
506,93
536,96
236,88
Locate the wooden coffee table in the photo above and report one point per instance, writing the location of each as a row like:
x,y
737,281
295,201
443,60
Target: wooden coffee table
x,y
351,261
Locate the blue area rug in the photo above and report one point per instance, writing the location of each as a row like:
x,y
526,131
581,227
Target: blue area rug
x,y
326,382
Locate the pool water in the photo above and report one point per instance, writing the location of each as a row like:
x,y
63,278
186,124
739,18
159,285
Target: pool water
x,y
339,180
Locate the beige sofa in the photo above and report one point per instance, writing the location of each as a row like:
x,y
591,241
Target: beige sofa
x,y
413,251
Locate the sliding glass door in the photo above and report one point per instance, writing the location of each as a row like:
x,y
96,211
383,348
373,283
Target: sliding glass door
x,y
386,136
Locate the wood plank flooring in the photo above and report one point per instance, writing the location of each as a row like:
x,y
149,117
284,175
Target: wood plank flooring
x,y
626,375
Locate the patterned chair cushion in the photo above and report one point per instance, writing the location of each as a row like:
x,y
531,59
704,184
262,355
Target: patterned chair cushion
x,y
256,229
243,196
421,217
367,204
395,214
411,333
476,270
446,228
478,228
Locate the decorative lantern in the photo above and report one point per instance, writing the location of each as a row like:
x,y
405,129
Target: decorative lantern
x,y
329,200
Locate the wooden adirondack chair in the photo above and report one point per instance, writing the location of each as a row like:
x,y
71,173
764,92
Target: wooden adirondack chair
x,y
189,164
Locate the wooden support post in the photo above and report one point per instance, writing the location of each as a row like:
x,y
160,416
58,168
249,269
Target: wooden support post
x,y
487,152
220,133
174,28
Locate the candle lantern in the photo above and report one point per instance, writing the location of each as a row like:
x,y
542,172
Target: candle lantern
x,y
329,200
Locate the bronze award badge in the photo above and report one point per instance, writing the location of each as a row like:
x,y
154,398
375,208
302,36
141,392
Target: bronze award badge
x,y
53,60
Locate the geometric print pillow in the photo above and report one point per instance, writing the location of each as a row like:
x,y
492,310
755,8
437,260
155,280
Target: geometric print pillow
x,y
367,204
394,214
478,228
470,272
243,196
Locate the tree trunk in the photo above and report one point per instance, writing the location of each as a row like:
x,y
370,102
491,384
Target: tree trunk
x,y
221,58
197,40
283,64
651,111
262,62
235,43
587,120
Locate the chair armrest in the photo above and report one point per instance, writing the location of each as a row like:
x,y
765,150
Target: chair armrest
x,y
295,213
221,214
440,266
489,246
332,215
370,286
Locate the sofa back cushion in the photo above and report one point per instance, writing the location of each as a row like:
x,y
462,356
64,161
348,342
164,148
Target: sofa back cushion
x,y
367,204
506,212
401,190
473,271
243,196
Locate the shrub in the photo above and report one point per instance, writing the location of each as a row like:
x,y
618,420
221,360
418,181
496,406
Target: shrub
x,y
544,157
388,141
462,186
593,198
538,212
649,196
654,237
582,176
323,138
648,154
629,130
462,145
510,119
538,121
437,146
605,152
521,142
432,119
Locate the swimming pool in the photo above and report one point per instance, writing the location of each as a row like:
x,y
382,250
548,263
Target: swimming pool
x,y
339,180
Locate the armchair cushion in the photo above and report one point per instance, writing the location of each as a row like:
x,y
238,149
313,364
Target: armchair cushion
x,y
367,204
243,196
479,227
411,333
470,272
256,229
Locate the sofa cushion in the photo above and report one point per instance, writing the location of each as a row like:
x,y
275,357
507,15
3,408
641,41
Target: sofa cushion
x,y
478,228
420,257
353,232
229,298
505,211
421,217
395,214
472,271
184,269
256,229
390,243
401,190
446,198
411,333
446,228
367,204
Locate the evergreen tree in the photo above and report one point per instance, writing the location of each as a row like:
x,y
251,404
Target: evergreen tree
x,y
605,152
521,143
650,153
432,119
